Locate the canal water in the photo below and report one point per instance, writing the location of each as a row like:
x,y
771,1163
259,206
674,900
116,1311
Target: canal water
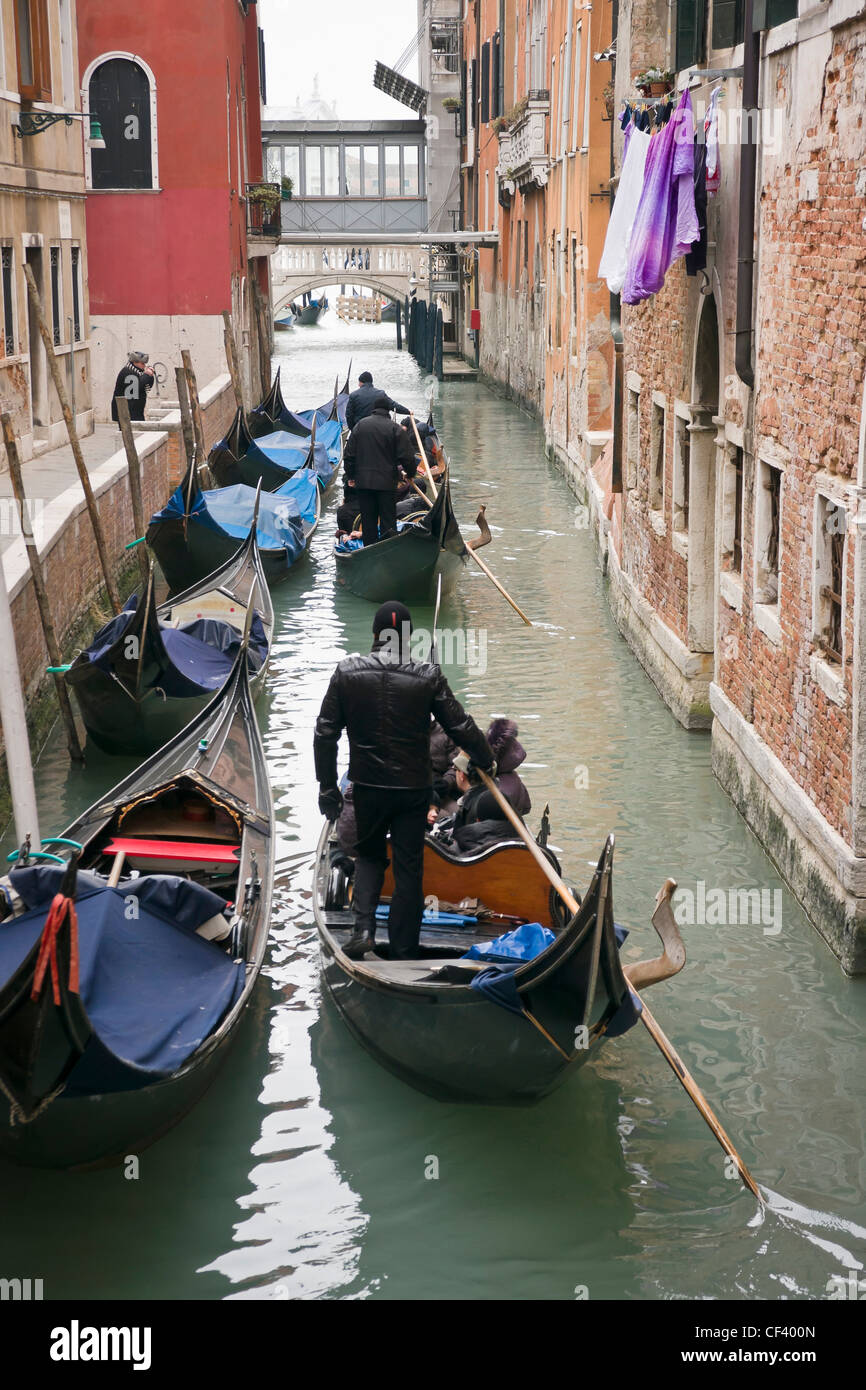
x,y
309,1172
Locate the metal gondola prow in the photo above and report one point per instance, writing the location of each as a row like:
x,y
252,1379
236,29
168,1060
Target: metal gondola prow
x,y
311,454
347,382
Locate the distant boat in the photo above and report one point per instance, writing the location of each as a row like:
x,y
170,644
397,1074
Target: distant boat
x,y
312,312
287,321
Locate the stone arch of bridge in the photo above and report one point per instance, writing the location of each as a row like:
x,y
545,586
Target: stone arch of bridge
x,y
284,294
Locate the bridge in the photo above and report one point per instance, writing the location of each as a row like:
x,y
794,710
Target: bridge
x,y
354,211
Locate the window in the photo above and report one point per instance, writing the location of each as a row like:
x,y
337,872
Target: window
x,y
352,171
632,437
371,171
411,187
7,280
831,525
766,14
313,163
33,48
56,310
732,511
682,442
727,23
485,83
273,164
331,170
392,171
768,524
657,446
690,46
119,93
576,61
495,77
292,165
76,294
473,95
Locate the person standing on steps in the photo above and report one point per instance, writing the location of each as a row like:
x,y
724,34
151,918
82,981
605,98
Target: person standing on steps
x,y
385,701
133,381
366,399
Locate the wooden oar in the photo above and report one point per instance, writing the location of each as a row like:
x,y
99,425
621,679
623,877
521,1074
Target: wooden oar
x,y
422,451
479,562
662,1042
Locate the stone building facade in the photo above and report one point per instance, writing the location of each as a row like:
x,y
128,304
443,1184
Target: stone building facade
x,y
725,463
42,220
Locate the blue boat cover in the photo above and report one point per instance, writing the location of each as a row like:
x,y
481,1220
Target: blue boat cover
x,y
290,451
520,944
200,654
230,510
153,990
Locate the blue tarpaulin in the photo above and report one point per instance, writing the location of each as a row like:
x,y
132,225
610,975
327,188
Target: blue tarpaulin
x,y
198,654
230,510
521,943
152,988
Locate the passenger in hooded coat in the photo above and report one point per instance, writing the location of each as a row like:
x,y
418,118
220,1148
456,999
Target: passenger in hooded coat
x,y
509,754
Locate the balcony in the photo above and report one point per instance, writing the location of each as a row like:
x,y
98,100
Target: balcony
x,y
523,157
264,220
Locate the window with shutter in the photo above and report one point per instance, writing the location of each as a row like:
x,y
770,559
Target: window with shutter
x,y
496,79
33,50
463,88
691,20
727,23
485,83
473,83
120,99
766,14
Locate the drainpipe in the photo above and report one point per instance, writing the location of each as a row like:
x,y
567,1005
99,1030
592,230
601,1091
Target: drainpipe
x,y
745,330
616,310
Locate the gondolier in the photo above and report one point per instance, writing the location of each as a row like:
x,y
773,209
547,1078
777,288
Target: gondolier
x,y
133,381
385,702
366,399
375,450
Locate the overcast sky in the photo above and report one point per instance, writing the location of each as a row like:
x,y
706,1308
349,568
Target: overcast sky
x,y
340,40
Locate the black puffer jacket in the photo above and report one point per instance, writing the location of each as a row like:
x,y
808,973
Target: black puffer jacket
x,y
374,449
385,705
365,400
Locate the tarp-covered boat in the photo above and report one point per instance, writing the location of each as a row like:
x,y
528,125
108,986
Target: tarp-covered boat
x,y
150,669
274,458
117,1008
273,413
198,531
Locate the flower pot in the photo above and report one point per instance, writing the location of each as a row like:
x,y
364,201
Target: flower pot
x,y
659,89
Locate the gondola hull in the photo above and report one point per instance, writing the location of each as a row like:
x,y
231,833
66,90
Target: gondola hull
x,y
311,314
407,566
187,558
423,1020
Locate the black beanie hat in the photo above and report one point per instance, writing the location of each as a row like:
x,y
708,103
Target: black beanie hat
x,y
366,378
391,617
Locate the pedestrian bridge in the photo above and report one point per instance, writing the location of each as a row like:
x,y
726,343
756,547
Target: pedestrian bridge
x,y
386,269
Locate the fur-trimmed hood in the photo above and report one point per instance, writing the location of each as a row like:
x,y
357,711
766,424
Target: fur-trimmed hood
x,y
508,752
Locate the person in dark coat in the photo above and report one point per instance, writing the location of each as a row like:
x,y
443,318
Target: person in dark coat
x,y
502,737
367,398
484,824
133,381
385,701
374,452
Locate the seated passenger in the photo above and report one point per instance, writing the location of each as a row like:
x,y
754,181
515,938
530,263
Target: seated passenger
x,y
509,754
486,823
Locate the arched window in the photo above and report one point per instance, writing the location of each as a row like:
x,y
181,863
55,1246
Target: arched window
x,y
119,96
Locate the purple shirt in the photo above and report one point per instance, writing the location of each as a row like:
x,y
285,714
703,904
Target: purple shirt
x,y
666,223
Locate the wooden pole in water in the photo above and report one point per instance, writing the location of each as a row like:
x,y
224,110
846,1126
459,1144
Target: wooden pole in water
x,y
51,643
232,360
54,368
134,463
185,414
194,404
662,1042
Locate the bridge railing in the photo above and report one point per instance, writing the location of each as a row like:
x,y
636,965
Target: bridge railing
x,y
338,261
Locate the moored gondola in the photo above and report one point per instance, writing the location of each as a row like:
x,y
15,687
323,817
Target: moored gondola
x,y
406,566
119,1000
197,531
149,670
499,1030
273,413
274,458
312,312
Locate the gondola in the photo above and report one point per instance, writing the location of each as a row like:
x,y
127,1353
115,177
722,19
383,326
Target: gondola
x,y
406,566
149,670
471,1029
287,321
113,1025
273,413
197,531
274,458
312,312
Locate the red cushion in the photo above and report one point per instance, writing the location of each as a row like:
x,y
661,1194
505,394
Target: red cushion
x,y
175,849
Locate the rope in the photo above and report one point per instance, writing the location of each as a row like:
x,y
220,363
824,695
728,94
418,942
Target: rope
x,y
57,915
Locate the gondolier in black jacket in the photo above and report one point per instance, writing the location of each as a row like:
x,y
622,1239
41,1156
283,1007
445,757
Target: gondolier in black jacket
x,y
366,398
385,702
374,451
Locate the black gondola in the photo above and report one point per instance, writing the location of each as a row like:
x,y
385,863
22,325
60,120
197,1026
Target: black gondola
x,y
469,1029
104,1051
154,666
197,531
274,458
273,413
406,566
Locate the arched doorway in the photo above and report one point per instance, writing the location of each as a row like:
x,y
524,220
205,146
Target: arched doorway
x,y
119,95
699,468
